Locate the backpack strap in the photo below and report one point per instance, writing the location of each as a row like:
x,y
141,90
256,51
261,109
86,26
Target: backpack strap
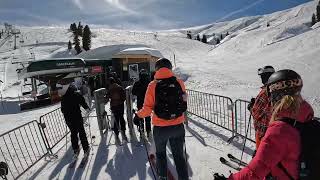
x,y
285,171
294,123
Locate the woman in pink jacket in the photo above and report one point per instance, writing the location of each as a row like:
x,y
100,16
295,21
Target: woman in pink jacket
x,y
281,143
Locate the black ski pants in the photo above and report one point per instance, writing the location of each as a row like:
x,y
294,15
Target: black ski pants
x,y
176,137
119,122
77,128
147,122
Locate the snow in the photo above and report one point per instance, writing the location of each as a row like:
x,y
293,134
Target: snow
x,y
228,69
141,50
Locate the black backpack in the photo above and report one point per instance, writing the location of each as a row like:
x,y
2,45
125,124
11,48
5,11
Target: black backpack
x,y
309,167
169,103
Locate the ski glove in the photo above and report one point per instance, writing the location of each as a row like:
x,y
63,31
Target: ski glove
x,y
219,177
136,119
250,105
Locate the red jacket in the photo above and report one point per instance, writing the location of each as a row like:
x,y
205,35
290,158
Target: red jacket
x,y
281,143
261,113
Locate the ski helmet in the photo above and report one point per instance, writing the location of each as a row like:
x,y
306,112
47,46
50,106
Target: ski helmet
x,y
265,73
163,62
266,69
284,82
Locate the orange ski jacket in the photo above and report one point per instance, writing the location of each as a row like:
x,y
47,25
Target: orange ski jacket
x,y
149,100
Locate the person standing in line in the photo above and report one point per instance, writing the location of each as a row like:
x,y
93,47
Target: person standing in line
x,y
166,100
139,89
117,95
70,106
279,150
260,107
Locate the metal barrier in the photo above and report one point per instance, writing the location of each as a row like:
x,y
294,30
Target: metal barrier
x,y
54,128
242,116
215,109
21,148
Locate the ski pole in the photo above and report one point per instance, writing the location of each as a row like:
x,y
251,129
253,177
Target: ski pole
x,y
245,139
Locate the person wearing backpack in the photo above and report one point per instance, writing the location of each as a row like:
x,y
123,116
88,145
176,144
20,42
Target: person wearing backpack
x,y
139,89
260,107
117,95
166,98
281,148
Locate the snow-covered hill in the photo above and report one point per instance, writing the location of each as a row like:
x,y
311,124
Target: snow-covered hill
x,y
228,68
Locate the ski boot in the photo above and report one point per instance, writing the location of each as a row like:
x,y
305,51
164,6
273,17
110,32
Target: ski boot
x,y
76,153
117,140
143,137
149,136
124,136
86,153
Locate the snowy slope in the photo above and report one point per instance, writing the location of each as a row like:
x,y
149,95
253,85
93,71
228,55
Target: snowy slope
x,y
287,43
228,69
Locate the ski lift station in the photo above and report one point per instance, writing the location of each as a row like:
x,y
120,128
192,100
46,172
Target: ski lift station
x,y
92,68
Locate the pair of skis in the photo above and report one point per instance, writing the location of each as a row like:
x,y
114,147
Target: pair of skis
x,y
83,161
152,159
234,162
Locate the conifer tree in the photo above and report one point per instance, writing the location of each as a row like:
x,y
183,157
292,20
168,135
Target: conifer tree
x,y
69,45
318,12
77,44
198,37
313,20
204,39
218,41
86,40
80,29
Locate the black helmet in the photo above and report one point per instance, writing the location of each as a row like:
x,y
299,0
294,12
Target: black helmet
x,y
163,62
143,72
266,69
265,73
284,82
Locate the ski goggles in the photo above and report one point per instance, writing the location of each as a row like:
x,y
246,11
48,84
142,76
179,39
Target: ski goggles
x,y
265,70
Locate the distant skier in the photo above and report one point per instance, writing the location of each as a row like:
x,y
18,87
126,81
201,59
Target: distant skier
x,y
117,95
70,107
281,143
260,106
139,89
166,98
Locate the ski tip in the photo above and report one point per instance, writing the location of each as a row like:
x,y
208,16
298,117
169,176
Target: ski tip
x,y
222,159
230,156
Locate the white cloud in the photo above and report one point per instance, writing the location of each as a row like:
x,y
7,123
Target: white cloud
x,y
78,4
240,10
120,6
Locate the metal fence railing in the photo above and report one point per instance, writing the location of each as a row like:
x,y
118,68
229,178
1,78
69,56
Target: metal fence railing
x,y
242,119
213,108
54,128
21,148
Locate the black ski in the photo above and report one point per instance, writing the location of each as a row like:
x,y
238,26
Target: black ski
x,y
228,163
73,163
83,162
236,160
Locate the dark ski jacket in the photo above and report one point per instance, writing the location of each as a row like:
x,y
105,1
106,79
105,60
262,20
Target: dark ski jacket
x,y
139,89
70,106
117,95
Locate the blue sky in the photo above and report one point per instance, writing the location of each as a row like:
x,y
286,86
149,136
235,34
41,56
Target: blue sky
x,y
136,14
